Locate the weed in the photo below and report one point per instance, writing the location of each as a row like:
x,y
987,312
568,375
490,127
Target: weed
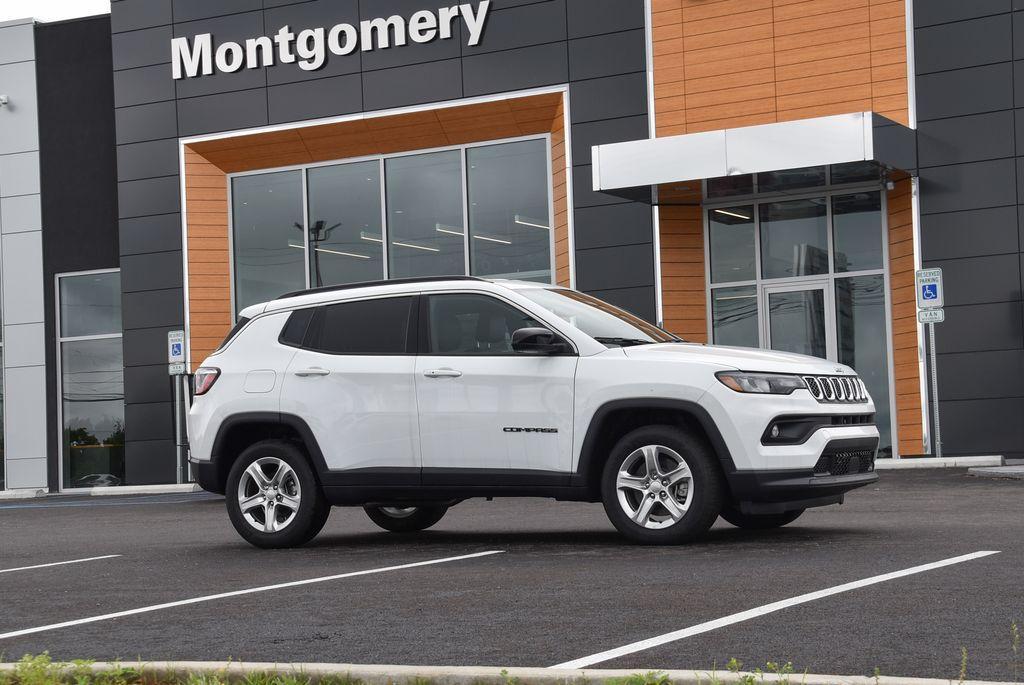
x,y
877,675
1015,646
963,665
649,678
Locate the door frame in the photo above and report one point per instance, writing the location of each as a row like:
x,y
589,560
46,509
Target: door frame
x,y
825,286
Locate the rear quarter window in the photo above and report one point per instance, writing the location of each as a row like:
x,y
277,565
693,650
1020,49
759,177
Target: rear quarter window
x,y
294,331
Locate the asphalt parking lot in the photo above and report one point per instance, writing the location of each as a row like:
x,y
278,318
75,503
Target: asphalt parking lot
x,y
559,587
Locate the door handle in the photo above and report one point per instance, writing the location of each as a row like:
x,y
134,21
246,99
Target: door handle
x,y
312,372
442,373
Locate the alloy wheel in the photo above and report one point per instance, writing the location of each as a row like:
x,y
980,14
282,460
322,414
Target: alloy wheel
x,y
269,494
654,486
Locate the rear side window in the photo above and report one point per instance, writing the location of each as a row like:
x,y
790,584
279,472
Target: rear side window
x,y
294,332
239,325
368,327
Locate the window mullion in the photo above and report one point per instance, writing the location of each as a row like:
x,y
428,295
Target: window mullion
x,y
465,211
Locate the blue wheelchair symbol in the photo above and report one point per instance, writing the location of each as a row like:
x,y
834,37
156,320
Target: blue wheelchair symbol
x,y
175,349
930,291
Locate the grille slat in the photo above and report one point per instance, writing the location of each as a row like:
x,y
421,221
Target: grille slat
x,y
836,389
845,463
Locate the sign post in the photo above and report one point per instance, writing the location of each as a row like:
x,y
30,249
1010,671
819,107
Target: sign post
x,y
930,301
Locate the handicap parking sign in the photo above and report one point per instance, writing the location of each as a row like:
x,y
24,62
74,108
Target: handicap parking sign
x,y
930,291
176,349
929,288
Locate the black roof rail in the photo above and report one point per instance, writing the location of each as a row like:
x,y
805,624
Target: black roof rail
x,y
370,284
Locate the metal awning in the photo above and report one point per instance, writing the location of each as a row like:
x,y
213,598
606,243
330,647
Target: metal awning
x,y
638,167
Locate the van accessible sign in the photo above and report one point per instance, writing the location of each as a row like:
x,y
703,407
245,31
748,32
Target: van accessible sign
x,y
198,56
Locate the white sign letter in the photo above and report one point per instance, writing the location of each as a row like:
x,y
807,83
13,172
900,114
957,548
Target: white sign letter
x,y
475,21
423,27
335,40
310,46
284,40
259,52
230,57
186,60
382,28
446,17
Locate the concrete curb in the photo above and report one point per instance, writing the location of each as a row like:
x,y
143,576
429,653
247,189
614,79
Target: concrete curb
x,y
483,675
184,488
1007,472
935,463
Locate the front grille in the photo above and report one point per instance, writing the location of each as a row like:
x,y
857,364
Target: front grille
x,y
846,462
837,389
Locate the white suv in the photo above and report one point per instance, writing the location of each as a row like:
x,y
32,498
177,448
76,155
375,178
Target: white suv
x,y
408,397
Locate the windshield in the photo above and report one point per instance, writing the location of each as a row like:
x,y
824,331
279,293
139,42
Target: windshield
x,y
601,321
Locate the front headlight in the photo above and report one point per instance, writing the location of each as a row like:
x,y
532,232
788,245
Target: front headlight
x,y
761,383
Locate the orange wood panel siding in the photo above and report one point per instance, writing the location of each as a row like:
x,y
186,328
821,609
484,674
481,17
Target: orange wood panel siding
x,y
682,271
208,163
730,63
904,321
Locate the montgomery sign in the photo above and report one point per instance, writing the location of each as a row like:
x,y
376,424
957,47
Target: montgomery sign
x,y
196,56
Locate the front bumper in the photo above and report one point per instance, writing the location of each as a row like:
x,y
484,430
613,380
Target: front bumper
x,y
843,466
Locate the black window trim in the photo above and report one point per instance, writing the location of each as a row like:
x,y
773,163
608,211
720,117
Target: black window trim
x,y
423,347
292,312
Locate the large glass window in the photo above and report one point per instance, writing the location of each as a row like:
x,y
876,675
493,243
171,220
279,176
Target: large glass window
x,y
733,252
857,231
91,380
426,229
476,209
794,238
734,314
269,247
345,224
509,217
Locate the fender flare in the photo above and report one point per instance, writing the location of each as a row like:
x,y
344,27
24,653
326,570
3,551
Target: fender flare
x,y
296,423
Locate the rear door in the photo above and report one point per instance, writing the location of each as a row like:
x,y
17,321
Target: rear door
x,y
352,382
489,415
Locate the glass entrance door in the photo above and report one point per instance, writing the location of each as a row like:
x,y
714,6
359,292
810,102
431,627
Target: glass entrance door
x,y
801,319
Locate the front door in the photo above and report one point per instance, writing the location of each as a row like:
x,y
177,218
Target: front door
x,y
487,413
800,318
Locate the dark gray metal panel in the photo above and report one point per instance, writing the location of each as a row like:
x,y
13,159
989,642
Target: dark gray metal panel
x,y
969,234
964,91
315,99
1018,129
977,280
981,375
128,15
153,271
158,233
225,112
320,13
147,383
592,17
979,327
142,48
146,346
146,122
147,160
235,27
983,426
895,145
586,136
963,44
148,196
609,98
149,421
412,85
610,268
927,12
410,53
1018,82
187,10
1018,39
611,226
143,85
583,190
540,65
968,186
153,309
149,462
522,26
638,301
966,139
608,55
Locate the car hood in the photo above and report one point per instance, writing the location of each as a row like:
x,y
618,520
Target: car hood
x,y
741,358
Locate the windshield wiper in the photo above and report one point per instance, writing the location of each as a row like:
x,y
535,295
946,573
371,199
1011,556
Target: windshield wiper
x,y
624,342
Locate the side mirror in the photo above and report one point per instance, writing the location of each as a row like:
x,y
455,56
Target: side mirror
x,y
539,341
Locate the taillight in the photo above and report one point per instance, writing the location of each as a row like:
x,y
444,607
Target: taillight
x,y
205,377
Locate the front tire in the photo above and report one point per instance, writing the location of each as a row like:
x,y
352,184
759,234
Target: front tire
x,y
760,521
406,519
661,486
273,498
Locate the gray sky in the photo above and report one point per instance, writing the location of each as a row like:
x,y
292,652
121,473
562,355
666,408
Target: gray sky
x,y
51,10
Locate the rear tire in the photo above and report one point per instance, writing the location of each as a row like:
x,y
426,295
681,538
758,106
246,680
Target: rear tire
x,y
682,499
406,519
760,521
273,498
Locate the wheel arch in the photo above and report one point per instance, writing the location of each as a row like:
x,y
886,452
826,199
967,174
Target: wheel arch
x,y
615,418
239,431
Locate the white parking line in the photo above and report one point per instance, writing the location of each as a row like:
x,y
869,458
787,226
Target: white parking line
x,y
760,611
236,593
58,563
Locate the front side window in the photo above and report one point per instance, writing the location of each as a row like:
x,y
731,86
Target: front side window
x,y
367,327
474,325
91,380
603,322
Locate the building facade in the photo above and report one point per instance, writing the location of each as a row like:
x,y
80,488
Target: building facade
x,y
759,172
